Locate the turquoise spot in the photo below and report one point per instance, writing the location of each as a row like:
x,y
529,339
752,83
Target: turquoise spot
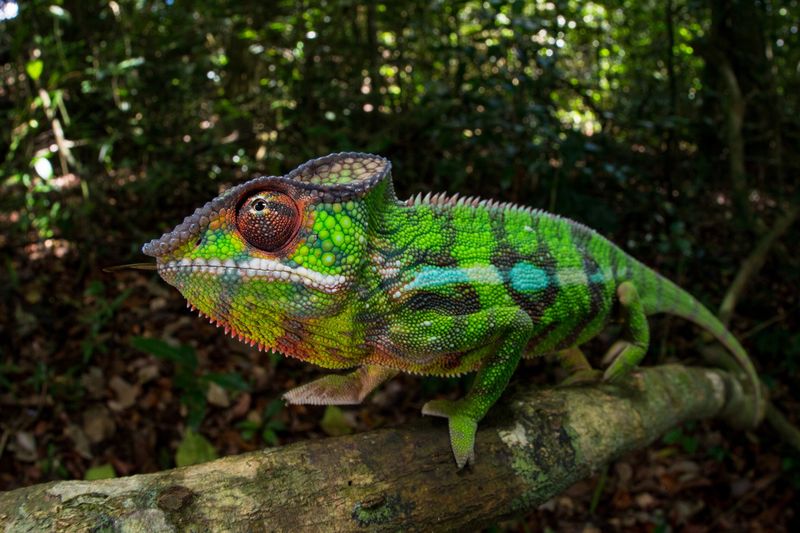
x,y
436,277
597,277
526,277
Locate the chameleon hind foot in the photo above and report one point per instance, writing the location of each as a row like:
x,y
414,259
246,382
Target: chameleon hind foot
x,y
628,352
344,389
462,428
579,371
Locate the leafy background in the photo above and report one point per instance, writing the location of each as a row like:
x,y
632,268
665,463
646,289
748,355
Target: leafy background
x,y
670,126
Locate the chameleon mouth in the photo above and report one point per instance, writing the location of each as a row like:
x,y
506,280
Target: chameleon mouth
x,y
254,268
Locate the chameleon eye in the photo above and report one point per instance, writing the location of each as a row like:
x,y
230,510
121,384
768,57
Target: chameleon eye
x,y
268,219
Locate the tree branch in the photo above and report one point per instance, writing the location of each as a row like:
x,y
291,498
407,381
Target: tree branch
x,y
538,445
753,263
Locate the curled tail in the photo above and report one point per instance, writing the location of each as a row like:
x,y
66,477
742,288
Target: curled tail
x,y
660,295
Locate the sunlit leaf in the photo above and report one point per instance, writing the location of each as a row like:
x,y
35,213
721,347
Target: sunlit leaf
x,y
43,167
34,69
105,471
130,63
59,12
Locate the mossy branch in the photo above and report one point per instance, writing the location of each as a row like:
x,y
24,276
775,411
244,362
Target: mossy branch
x,y
536,445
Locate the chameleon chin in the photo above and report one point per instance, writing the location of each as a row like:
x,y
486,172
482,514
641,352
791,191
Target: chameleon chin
x,y
326,265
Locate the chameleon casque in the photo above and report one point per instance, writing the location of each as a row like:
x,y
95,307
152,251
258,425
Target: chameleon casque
x,y
325,265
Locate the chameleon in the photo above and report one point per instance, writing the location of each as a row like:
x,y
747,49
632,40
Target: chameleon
x,y
326,265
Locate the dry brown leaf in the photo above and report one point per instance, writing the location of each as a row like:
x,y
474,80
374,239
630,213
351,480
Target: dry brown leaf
x,y
98,424
126,394
79,439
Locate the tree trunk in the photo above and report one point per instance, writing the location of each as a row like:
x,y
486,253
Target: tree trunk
x,y
394,479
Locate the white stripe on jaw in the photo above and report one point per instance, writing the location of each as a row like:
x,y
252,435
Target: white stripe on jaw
x,y
257,267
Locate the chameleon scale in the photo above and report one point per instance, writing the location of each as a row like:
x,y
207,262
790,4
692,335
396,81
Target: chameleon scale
x,y
352,278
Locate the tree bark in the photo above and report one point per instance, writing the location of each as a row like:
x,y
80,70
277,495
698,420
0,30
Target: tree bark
x,y
533,448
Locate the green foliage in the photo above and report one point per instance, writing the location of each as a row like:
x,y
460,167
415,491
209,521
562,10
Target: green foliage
x,y
681,437
97,315
194,449
105,471
542,102
52,465
267,426
791,467
189,380
34,69
334,422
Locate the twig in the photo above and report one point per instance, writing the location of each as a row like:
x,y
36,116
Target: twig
x,y
753,263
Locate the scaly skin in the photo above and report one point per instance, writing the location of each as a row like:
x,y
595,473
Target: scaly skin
x,y
326,265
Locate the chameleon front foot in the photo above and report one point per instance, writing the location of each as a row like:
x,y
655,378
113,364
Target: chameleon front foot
x,y
462,428
347,389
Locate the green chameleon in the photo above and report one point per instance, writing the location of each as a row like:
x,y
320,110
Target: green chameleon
x,y
326,265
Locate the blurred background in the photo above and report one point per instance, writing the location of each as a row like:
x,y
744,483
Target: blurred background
x,y
670,126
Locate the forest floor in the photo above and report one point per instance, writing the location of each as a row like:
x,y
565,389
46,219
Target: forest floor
x,y
79,400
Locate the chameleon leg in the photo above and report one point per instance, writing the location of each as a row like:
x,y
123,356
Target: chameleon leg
x,y
628,353
463,415
575,364
345,389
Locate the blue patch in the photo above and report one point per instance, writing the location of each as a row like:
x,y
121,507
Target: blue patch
x,y
597,277
436,277
526,277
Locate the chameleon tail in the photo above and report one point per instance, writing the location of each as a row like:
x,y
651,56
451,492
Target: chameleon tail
x,y
660,295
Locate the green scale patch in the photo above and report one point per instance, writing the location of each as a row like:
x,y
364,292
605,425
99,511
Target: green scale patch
x,y
336,239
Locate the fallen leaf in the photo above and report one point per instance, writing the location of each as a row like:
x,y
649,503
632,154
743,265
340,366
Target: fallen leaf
x,y
645,500
24,447
624,472
94,382
98,424
147,373
126,394
621,499
79,439
218,396
241,406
